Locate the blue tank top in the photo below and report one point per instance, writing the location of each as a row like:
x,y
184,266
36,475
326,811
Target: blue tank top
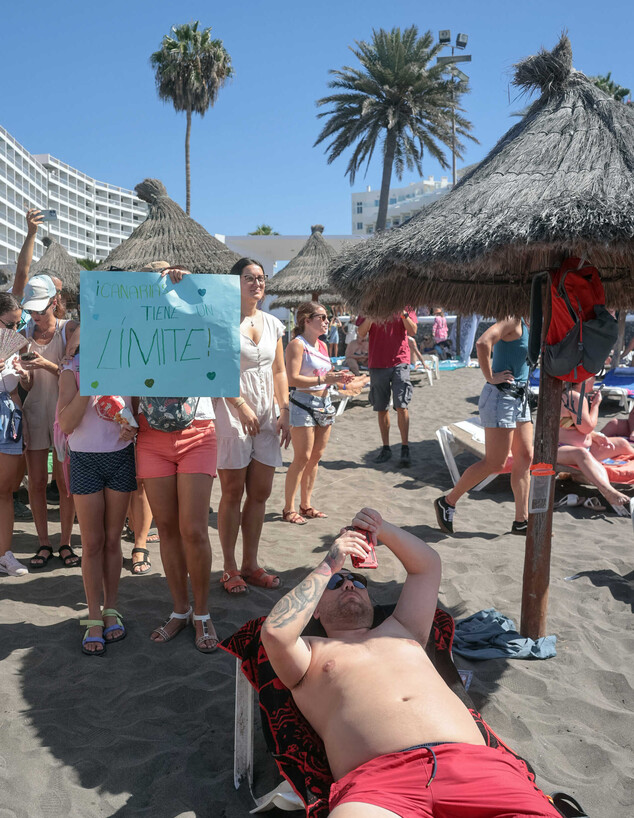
x,y
511,355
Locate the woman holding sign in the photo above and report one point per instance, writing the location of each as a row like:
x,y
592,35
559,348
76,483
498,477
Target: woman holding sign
x,y
250,435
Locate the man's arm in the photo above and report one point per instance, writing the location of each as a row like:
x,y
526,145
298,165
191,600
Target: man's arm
x,y
364,328
409,322
417,603
282,630
23,266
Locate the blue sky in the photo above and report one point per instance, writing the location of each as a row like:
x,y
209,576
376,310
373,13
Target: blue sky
x,y
77,84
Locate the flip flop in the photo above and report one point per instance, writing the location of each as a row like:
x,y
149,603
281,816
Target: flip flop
x,y
567,806
593,503
311,513
262,579
118,627
233,583
41,561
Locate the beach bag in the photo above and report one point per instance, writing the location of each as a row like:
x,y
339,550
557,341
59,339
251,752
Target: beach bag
x,y
169,414
581,332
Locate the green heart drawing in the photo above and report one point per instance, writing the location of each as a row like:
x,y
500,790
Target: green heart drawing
x,y
94,384
149,382
211,375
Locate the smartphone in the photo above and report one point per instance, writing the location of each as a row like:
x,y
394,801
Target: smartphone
x,y
28,356
49,215
370,560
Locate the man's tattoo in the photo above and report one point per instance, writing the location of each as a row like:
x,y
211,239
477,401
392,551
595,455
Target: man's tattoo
x,y
331,557
298,604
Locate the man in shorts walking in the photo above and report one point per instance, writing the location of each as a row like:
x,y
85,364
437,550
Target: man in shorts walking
x,y
397,738
389,360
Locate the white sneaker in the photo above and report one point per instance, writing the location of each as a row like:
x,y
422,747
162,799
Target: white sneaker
x,y
9,565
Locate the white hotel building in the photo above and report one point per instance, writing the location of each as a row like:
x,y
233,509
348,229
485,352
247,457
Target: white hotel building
x,y
92,217
403,203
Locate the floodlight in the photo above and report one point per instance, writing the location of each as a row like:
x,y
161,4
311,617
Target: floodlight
x,y
444,36
459,75
461,41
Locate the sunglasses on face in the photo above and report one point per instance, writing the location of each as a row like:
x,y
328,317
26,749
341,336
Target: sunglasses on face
x,y
11,324
249,279
319,315
337,580
40,312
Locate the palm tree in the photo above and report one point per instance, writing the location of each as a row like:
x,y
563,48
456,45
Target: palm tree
x,y
611,88
397,96
264,230
190,70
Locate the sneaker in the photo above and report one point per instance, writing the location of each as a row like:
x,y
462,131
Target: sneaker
x,y
444,515
520,528
21,511
9,565
52,494
384,455
405,460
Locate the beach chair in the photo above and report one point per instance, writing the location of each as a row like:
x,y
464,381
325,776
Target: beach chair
x,y
298,751
619,384
465,436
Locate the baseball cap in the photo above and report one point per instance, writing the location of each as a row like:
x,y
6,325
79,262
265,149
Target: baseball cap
x,y
38,293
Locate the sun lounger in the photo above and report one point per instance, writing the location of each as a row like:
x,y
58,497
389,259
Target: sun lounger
x,y
465,436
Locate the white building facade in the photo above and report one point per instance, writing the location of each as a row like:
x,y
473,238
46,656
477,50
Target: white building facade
x,y
403,203
92,217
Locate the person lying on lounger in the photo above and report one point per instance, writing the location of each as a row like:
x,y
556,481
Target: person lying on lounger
x,y
583,447
398,740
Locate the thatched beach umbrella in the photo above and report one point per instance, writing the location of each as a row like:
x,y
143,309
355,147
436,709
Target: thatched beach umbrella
x,y
168,234
308,271
560,183
59,263
289,302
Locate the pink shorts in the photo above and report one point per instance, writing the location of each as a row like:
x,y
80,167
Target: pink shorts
x,y
445,781
188,451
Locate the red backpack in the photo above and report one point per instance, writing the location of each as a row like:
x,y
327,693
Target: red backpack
x,y
581,332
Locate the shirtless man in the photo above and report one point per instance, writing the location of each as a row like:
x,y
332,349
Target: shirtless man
x,y
398,740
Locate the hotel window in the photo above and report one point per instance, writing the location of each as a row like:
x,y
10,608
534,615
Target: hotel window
x,y
359,225
359,207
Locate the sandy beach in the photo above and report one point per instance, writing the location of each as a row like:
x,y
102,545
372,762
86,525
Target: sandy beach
x,y
148,730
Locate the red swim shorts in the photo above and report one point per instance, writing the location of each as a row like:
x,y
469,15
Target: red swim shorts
x,y
188,451
467,781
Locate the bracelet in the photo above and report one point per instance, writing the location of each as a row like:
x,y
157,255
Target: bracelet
x,y
284,409
318,380
239,402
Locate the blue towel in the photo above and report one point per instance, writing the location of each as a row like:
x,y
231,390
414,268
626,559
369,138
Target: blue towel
x,y
489,634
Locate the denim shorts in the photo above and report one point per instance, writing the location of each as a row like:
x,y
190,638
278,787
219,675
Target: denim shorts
x,y
298,415
394,380
502,410
7,421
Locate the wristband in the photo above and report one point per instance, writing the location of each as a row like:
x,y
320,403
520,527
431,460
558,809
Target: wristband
x,y
318,380
239,402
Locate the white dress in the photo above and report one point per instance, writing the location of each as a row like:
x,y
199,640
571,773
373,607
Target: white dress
x,y
235,448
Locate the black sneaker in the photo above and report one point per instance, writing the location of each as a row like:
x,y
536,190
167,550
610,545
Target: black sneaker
x,y
444,515
384,455
520,528
52,493
21,511
405,460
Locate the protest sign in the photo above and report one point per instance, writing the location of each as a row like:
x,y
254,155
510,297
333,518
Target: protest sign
x,y
143,335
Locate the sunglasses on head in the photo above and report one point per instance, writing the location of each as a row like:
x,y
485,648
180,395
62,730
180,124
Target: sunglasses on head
x,y
337,580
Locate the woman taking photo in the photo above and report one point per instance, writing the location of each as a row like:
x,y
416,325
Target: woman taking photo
x,y
48,338
310,371
11,431
102,476
250,435
506,417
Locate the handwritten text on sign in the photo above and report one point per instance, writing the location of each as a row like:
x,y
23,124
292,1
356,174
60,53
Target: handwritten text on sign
x,y
143,335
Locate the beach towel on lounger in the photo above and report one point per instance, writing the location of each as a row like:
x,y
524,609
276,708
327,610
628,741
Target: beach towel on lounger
x,y
296,748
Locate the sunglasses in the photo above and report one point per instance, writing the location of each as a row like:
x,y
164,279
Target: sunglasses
x,y
249,279
319,315
11,324
337,580
40,312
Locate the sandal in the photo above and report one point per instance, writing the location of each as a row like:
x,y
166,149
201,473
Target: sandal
x,y
291,516
71,560
92,623
233,583
140,563
199,642
39,561
567,806
262,579
153,537
165,636
118,627
312,513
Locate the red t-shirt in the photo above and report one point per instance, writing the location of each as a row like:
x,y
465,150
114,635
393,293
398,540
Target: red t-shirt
x,y
388,342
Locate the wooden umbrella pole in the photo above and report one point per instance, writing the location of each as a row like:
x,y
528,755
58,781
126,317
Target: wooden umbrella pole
x,y
540,526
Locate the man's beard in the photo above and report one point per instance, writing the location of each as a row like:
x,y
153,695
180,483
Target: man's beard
x,y
351,612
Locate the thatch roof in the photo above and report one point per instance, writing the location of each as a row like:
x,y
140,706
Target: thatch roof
x,y
559,183
291,301
308,271
57,262
169,234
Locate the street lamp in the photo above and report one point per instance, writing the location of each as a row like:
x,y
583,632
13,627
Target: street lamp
x,y
444,38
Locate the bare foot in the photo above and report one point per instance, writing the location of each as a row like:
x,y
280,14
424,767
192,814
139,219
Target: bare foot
x,y
615,497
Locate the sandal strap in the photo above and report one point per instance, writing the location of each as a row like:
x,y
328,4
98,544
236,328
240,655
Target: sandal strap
x,y
45,548
202,618
140,551
111,612
186,615
91,623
